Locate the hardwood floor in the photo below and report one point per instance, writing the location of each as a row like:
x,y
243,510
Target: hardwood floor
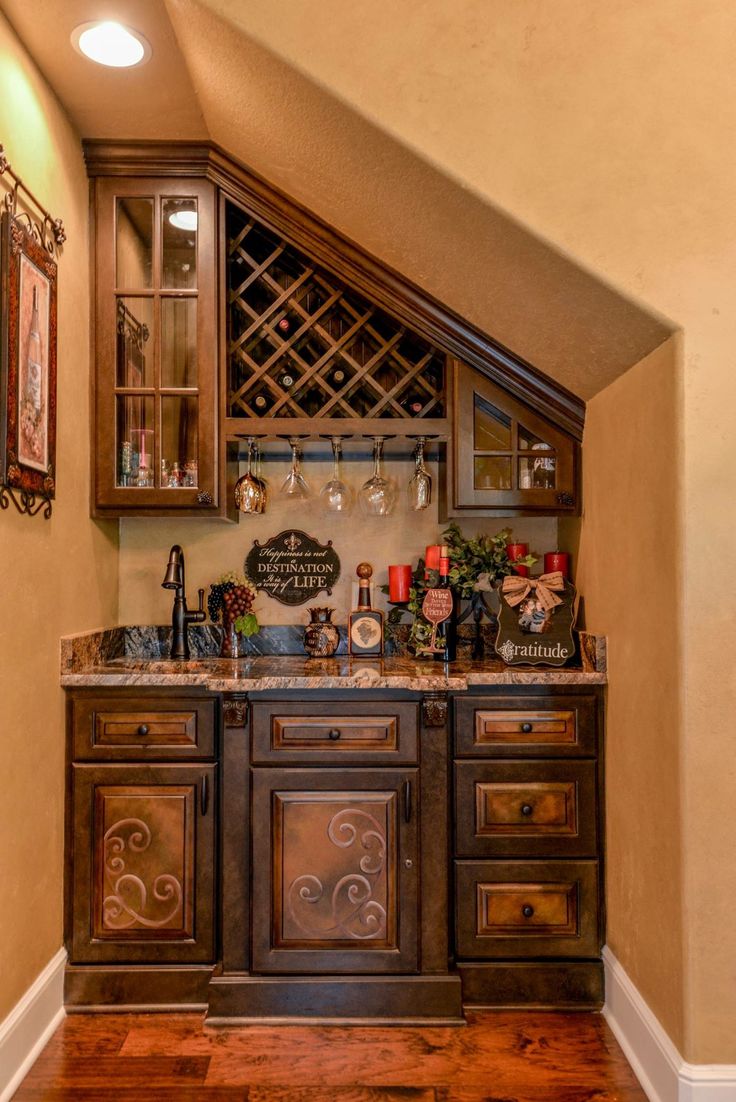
x,y
500,1056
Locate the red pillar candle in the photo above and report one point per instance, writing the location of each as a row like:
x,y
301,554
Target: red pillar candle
x,y
557,560
432,556
399,583
518,551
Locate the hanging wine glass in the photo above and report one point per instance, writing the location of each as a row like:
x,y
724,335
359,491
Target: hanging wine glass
x,y
378,495
250,492
258,472
336,496
295,485
420,483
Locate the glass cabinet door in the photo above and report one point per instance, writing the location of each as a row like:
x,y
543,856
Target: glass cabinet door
x,y
155,339
506,457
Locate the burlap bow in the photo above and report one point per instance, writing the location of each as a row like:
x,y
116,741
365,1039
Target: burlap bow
x,y
546,586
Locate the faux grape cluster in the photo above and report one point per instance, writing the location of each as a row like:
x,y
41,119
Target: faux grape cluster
x,y
227,583
237,602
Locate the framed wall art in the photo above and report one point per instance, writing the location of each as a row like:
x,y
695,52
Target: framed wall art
x,y
27,362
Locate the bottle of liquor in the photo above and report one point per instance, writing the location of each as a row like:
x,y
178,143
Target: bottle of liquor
x,y
365,624
446,639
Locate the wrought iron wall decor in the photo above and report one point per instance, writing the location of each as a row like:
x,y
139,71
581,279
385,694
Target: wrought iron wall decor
x,y
29,243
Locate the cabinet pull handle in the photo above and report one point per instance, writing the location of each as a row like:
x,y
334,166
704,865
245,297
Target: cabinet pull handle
x,y
204,795
527,728
527,910
526,809
334,734
143,729
407,801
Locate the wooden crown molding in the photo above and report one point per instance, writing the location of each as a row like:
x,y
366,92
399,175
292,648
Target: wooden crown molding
x,y
392,291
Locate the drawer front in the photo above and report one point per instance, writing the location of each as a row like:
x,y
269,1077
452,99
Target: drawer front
x,y
516,727
329,731
127,728
525,809
508,909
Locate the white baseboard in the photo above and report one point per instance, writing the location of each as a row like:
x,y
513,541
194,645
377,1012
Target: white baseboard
x,y
30,1024
662,1072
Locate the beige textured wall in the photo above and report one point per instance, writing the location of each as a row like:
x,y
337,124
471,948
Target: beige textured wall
x,y
212,547
608,131
629,568
58,575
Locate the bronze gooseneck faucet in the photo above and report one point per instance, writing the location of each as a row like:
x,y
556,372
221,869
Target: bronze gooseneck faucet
x,y
181,617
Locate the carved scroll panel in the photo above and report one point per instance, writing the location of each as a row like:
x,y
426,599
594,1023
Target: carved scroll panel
x,y
335,868
144,862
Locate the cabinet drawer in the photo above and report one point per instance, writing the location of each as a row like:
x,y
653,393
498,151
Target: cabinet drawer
x,y
511,909
525,809
127,728
330,731
513,727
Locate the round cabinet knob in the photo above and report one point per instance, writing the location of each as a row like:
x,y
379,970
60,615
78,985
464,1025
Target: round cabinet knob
x,y
527,809
334,734
527,910
143,729
204,497
409,863
527,728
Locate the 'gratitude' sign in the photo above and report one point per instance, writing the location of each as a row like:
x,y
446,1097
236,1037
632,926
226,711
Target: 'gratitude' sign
x,y
292,567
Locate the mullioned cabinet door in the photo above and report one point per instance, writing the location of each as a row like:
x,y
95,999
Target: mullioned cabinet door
x,y
142,877
336,860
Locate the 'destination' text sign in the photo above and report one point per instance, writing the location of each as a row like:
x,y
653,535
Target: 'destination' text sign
x,y
292,567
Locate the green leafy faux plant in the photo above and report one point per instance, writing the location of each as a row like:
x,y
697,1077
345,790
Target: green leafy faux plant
x,y
475,564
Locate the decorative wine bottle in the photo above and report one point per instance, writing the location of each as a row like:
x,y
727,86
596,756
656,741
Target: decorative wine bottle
x,y
439,608
365,624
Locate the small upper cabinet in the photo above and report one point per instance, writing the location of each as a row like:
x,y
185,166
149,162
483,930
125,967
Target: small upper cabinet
x,y
504,458
155,346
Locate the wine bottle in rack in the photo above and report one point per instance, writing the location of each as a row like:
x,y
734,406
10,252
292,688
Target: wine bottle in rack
x,y
413,403
262,403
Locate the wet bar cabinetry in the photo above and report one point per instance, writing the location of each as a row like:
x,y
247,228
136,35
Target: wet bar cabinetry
x,y
222,310
285,854
528,777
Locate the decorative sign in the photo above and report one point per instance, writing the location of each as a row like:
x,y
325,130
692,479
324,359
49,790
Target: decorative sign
x,y
436,607
535,621
292,567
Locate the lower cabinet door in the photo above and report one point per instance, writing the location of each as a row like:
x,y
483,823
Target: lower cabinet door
x,y
335,870
143,844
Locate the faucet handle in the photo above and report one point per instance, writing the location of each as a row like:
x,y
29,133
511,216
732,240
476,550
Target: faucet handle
x,y
201,600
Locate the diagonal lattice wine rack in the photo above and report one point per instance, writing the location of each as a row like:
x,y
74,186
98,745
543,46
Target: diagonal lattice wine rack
x,y
302,344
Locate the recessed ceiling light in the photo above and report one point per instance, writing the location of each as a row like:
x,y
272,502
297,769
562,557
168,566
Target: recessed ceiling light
x,y
112,44
184,219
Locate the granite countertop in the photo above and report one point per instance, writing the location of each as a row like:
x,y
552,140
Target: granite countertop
x,y
113,658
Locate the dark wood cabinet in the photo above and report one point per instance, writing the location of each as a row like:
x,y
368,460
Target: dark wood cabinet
x,y
505,457
528,846
143,865
155,346
337,859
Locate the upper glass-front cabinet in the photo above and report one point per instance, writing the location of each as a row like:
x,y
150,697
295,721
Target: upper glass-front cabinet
x,y
155,346
505,458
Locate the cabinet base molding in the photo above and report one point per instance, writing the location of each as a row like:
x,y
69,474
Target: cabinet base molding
x,y
401,1000
142,987
567,985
